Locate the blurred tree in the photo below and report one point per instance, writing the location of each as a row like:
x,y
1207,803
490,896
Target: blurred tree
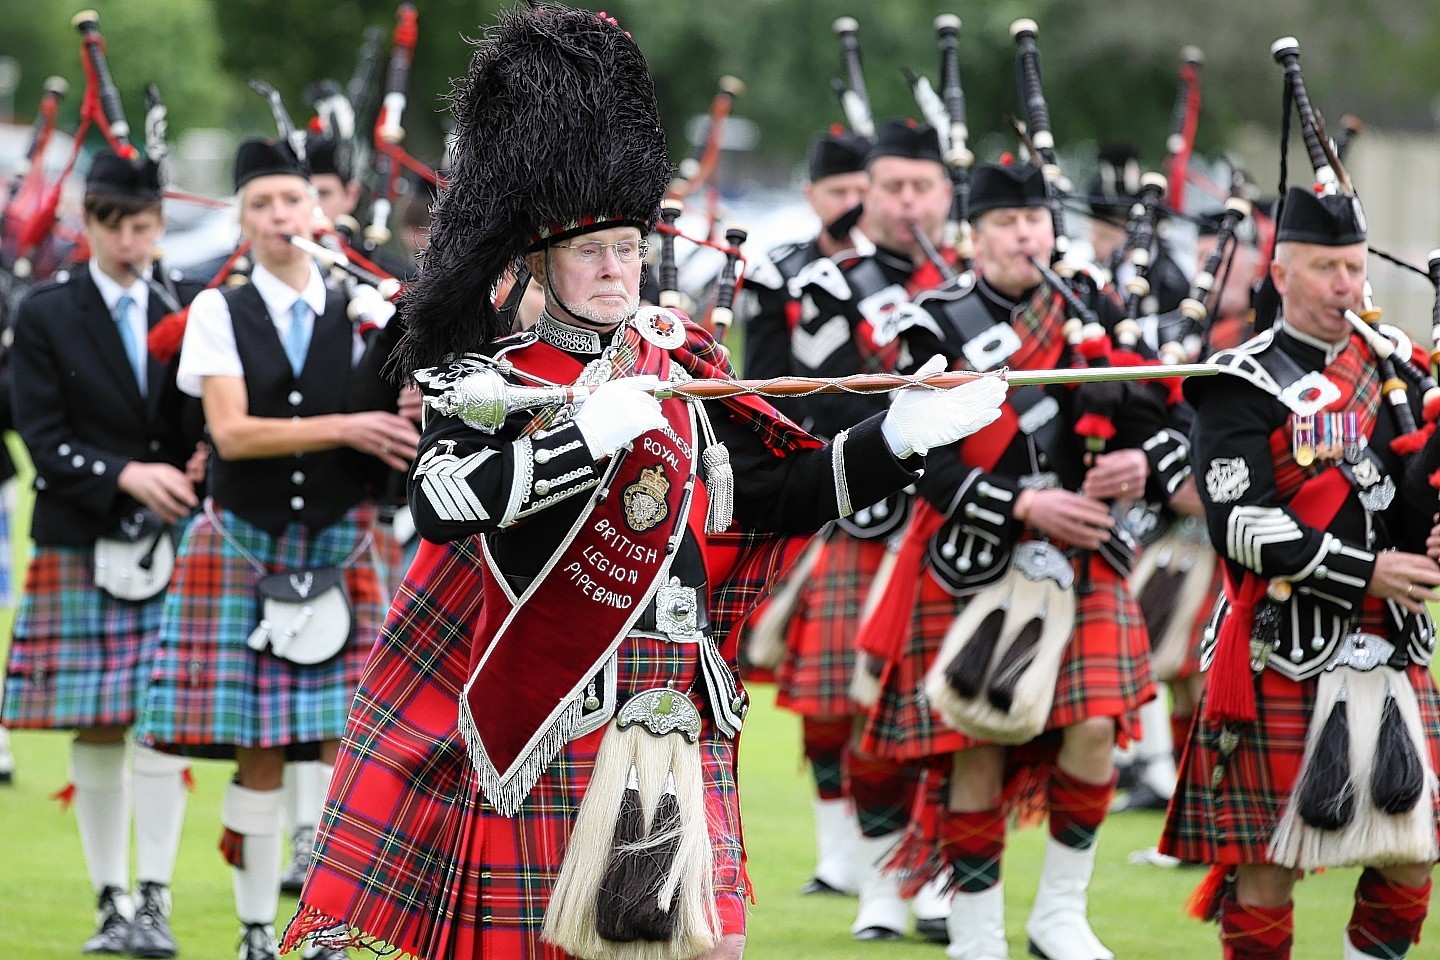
x,y
172,43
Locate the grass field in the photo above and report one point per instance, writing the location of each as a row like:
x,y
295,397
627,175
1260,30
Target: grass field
x,y
45,901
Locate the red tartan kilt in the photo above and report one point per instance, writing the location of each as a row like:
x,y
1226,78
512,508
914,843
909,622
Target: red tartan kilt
x,y
1234,823
1105,672
814,678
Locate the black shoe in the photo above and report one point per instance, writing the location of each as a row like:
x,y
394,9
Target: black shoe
x,y
816,885
302,844
257,942
876,933
112,930
932,930
150,934
1142,796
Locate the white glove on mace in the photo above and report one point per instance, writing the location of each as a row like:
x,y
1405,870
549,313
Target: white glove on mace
x,y
617,412
920,420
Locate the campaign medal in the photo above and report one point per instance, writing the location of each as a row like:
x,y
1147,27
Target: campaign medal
x,y
1354,446
1302,439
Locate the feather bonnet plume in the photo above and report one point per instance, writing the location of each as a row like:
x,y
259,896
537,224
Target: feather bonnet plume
x,y
557,133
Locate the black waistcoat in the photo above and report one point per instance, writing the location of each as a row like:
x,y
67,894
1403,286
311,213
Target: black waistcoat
x,y
316,489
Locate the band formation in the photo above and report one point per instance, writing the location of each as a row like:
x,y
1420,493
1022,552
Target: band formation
x,y
462,543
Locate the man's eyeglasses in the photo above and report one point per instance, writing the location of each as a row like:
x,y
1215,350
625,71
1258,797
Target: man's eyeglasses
x,y
589,253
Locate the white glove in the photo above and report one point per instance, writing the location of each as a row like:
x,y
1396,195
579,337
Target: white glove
x,y
617,412
920,420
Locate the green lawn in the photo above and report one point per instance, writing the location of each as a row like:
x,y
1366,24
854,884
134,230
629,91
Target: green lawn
x,y
45,901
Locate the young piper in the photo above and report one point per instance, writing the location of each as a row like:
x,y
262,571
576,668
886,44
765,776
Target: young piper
x,y
273,363
91,406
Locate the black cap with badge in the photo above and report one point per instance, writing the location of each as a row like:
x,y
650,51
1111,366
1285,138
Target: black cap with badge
x,y
994,185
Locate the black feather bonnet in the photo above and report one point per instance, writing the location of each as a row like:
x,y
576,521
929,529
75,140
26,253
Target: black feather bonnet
x,y
557,133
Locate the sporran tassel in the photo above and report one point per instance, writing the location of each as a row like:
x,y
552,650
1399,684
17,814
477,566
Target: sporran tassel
x,y
1327,794
1399,776
966,673
1001,692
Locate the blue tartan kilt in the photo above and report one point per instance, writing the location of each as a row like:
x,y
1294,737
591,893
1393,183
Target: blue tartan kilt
x,y
78,658
209,689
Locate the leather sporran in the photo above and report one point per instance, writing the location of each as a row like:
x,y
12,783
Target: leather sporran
x,y
305,615
134,563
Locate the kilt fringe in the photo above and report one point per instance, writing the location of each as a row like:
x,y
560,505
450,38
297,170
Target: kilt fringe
x,y
998,682
637,880
1353,710
322,930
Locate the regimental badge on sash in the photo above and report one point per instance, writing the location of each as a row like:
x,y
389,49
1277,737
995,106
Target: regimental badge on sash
x,y
644,499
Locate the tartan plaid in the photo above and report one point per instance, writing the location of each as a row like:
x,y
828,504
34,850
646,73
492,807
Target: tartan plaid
x,y
209,688
389,562
1105,672
78,658
814,678
407,855
1234,823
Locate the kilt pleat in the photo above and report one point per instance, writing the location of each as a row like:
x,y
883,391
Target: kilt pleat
x,y
209,689
78,657
814,678
1105,671
1232,823
408,854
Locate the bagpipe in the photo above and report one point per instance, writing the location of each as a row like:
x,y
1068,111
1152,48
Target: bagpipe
x,y
391,157
714,304
945,112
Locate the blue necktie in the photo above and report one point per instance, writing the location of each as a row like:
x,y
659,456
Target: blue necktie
x,y
123,307
297,342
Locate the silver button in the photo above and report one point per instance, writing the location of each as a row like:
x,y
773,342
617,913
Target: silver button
x,y
98,467
1321,572
297,477
542,487
948,550
985,557
1317,643
1296,654
63,449
154,446
40,483
963,564
295,397
971,509
542,456
77,461
297,503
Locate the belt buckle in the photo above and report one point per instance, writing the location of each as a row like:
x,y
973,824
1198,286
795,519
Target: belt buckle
x,y
1361,651
677,612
